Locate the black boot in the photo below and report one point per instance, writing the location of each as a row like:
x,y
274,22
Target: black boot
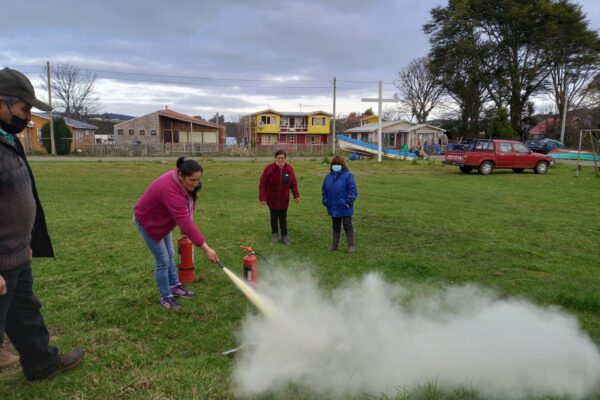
x,y
350,236
335,241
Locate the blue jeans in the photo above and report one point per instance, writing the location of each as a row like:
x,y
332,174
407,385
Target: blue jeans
x,y
165,273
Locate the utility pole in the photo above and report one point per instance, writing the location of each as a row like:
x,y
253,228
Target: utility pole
x,y
379,102
333,127
52,143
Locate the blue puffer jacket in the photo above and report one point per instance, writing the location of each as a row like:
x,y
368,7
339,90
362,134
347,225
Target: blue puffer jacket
x,y
339,193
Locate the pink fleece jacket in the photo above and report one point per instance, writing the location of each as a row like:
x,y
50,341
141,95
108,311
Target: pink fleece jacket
x,y
166,204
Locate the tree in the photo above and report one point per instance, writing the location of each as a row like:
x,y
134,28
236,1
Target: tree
x,y
456,59
516,38
499,127
574,56
369,111
72,90
418,89
62,137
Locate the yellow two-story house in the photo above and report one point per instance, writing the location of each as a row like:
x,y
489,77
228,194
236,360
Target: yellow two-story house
x,y
273,127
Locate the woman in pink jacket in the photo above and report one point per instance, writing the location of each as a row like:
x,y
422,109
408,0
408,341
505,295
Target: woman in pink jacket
x,y
170,201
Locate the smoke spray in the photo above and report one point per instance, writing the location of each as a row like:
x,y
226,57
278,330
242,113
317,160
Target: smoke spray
x,y
373,337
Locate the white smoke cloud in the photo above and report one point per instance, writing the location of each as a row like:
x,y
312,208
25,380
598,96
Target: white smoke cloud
x,y
373,337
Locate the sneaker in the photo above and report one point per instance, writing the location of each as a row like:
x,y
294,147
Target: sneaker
x,y
180,291
67,361
7,357
285,239
169,303
275,237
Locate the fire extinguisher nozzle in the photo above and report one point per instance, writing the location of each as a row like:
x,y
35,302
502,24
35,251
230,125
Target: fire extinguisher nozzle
x,y
220,264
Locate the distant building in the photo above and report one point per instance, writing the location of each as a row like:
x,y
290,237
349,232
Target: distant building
x,y
168,127
551,126
31,137
396,134
274,127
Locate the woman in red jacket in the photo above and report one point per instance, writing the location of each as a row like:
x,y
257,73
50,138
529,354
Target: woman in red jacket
x,y
276,182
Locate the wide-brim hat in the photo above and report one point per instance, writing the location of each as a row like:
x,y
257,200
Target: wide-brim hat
x,y
13,83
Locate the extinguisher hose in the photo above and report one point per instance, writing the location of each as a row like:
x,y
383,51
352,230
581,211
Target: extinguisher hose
x,y
262,256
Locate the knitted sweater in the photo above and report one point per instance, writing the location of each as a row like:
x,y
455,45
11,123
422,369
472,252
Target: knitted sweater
x,y
17,208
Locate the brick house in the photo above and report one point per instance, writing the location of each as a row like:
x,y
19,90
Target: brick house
x,y
168,127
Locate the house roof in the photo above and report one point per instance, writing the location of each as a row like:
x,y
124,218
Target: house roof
x,y
400,125
187,118
73,123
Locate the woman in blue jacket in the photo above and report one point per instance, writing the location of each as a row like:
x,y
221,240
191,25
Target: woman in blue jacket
x,y
339,194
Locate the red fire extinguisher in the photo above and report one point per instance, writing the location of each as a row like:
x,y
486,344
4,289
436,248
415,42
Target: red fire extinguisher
x,y
185,248
250,271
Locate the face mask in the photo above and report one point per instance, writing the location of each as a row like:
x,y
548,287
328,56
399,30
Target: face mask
x,y
336,168
15,126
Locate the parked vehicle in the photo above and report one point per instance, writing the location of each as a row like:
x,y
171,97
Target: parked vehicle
x,y
544,145
487,155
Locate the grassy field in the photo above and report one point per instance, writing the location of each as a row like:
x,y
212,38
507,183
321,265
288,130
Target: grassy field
x,y
522,235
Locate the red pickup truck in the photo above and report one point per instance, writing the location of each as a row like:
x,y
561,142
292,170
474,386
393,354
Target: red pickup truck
x,y
485,155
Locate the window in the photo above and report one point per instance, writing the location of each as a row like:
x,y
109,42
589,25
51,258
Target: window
x,y
364,137
268,139
388,140
314,139
484,145
131,131
78,134
39,136
318,121
520,148
119,131
505,148
153,131
267,119
142,132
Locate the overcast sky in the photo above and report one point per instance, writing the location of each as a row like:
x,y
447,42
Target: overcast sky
x,y
229,56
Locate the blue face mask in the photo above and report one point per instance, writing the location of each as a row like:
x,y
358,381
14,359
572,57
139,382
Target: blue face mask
x,y
336,168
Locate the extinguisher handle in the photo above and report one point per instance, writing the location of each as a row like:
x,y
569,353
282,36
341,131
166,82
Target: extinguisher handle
x,y
246,249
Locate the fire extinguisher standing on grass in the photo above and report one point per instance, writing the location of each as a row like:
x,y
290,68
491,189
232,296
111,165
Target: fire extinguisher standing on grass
x,y
185,248
250,268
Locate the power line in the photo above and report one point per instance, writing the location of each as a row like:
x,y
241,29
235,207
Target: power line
x,y
273,80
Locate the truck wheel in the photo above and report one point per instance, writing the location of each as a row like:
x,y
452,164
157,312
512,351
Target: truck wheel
x,y
518,170
486,168
465,170
541,168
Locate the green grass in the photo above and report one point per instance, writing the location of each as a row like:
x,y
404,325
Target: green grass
x,y
525,235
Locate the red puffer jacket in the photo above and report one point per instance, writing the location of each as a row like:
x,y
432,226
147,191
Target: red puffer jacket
x,y
275,185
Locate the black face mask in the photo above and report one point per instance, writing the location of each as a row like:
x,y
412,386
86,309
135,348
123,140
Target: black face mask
x,y
15,126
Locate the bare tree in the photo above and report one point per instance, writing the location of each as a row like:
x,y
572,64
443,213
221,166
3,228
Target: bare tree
x,y
72,90
390,113
418,89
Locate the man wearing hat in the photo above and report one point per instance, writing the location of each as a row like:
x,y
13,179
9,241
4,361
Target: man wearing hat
x,y
23,234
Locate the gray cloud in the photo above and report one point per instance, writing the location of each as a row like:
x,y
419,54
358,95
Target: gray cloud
x,y
310,40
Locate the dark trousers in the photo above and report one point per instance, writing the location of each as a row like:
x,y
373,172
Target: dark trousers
x,y
279,216
22,321
338,221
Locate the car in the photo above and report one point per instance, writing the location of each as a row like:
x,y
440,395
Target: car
x,y
544,145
